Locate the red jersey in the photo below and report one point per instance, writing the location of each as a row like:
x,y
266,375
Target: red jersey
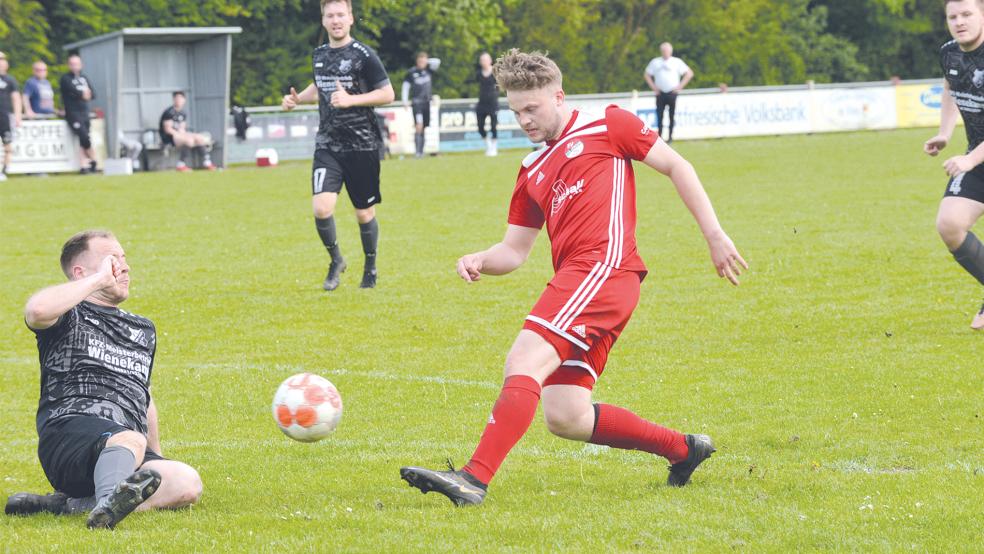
x,y
582,186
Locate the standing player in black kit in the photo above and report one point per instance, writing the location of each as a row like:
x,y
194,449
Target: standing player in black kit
x,y
488,103
98,439
349,79
416,94
963,93
76,91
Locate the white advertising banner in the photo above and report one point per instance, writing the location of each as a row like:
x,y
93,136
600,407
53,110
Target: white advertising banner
x,y
48,146
732,114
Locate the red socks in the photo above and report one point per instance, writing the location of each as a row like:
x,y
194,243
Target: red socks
x,y
511,417
620,428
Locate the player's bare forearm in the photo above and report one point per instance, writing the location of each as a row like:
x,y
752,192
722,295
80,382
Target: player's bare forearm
x,y
725,257
503,257
378,97
948,113
47,305
309,95
153,431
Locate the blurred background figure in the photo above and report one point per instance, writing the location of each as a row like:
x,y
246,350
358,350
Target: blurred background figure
x,y
416,92
667,76
488,103
174,131
38,93
10,112
76,92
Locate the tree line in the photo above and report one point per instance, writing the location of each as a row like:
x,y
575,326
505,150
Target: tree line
x,y
601,45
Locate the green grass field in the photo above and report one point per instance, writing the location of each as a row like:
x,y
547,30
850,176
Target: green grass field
x,y
841,381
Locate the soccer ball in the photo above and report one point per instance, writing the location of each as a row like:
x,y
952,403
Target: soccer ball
x,y
307,407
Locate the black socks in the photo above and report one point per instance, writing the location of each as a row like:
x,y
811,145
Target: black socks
x,y
326,230
970,255
370,238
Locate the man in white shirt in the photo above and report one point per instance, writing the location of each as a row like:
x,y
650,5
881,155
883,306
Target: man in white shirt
x,y
667,76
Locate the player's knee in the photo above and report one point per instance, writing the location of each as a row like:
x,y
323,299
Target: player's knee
x,y
188,487
952,233
366,215
129,439
563,423
323,209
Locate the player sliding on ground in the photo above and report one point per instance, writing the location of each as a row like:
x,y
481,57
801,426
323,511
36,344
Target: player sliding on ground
x,y
581,185
963,92
98,440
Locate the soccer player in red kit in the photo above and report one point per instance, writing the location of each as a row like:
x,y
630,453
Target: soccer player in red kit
x,y
581,185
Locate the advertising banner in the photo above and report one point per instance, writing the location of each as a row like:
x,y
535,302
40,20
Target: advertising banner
x,y
48,146
919,105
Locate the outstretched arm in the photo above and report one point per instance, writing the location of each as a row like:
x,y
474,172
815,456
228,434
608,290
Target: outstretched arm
x,y
725,256
47,305
502,257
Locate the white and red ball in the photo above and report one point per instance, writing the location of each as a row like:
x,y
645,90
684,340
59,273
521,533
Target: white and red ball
x,y
307,407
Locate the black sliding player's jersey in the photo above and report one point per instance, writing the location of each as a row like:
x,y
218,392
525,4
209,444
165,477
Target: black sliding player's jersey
x,y
359,70
96,361
964,71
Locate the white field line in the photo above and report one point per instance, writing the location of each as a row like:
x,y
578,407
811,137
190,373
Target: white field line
x,y
288,370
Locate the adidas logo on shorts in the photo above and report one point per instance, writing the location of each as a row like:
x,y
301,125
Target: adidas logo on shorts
x,y
579,330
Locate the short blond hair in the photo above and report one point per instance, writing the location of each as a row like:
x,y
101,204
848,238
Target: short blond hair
x,y
516,70
326,2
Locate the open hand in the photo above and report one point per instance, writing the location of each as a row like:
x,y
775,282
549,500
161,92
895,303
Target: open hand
x,y
726,258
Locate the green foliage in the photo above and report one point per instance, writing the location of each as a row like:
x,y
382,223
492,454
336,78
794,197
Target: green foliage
x,y
602,45
23,35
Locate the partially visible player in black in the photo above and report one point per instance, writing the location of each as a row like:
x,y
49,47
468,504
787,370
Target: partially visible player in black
x,y
98,439
76,91
488,103
416,94
349,79
962,61
173,128
10,112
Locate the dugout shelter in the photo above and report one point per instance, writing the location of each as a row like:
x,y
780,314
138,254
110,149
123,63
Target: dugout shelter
x,y
134,71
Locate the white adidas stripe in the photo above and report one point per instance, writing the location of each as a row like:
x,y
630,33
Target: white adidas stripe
x,y
613,257
577,293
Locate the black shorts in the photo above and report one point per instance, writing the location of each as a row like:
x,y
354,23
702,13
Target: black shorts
x,y
80,126
6,130
166,139
421,114
358,170
967,185
68,448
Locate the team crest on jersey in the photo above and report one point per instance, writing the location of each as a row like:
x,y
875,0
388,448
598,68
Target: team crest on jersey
x,y
574,149
345,66
562,191
138,336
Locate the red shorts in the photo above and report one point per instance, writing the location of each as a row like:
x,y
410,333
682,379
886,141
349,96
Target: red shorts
x,y
581,314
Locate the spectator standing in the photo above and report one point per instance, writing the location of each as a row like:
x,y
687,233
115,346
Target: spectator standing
x,y
667,76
